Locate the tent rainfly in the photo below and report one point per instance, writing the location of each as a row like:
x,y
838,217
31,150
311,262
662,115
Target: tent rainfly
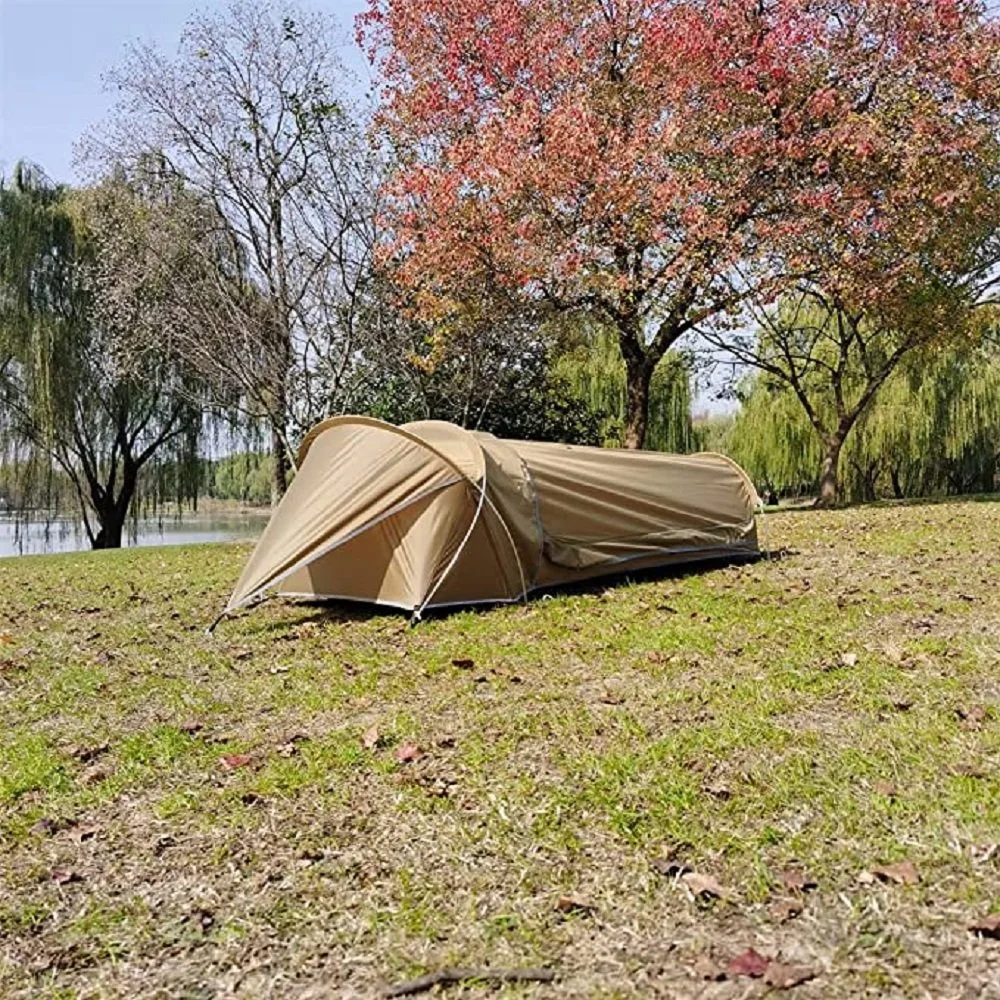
x,y
428,515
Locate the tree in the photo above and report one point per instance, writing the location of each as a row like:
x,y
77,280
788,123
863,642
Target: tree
x,y
625,158
933,428
250,117
592,368
496,370
73,398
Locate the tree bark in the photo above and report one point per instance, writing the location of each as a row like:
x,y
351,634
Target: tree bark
x,y
897,486
110,534
638,375
829,479
279,484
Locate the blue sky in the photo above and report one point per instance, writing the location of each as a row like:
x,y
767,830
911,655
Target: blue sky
x,y
52,56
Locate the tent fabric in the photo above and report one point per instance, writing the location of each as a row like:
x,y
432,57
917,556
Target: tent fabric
x,y
429,514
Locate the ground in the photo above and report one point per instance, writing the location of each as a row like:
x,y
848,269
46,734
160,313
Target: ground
x,y
321,802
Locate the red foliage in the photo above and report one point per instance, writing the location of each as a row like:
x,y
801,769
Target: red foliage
x,y
627,158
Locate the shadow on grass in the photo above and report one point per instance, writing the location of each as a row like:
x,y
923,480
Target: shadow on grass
x,y
342,612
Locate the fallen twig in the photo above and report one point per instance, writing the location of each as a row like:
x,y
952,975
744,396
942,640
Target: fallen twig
x,y
451,977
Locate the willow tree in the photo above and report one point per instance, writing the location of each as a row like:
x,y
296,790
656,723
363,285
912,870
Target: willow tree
x,y
74,399
933,428
593,371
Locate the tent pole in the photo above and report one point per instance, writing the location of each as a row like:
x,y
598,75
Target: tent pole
x,y
211,628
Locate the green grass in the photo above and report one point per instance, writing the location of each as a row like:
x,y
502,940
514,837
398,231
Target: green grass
x,y
831,711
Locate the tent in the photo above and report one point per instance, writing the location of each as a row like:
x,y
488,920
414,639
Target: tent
x,y
428,514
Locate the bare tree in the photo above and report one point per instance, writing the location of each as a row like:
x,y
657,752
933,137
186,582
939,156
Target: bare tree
x,y
251,116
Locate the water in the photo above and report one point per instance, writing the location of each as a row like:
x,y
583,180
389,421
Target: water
x,y
40,534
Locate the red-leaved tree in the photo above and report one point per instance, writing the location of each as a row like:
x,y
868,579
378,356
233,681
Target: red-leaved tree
x,y
652,161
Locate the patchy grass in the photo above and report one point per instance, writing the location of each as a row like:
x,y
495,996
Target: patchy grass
x,y
830,712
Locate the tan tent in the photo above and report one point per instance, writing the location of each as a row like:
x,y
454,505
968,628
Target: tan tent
x,y
429,514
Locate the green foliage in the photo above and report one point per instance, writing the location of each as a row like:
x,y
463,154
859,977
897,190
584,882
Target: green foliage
x,y
595,373
246,476
933,428
78,402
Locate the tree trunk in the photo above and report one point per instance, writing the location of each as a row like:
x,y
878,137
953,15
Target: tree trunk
x,y
114,510
279,483
638,375
829,481
110,534
897,486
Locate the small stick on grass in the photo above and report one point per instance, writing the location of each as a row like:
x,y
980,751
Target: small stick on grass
x,y
452,977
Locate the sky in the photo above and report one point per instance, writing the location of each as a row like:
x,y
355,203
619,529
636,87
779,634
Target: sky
x,y
53,54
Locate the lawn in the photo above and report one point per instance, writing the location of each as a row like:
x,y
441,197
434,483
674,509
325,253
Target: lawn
x,y
629,786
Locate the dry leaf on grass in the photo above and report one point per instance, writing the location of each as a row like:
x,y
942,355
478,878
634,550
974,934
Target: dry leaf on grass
x,y
234,761
370,738
704,885
784,977
570,904
848,659
749,963
988,927
902,873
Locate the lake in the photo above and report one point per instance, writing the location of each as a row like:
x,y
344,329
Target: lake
x,y
39,534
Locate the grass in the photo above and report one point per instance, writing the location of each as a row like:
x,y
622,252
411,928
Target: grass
x,y
830,712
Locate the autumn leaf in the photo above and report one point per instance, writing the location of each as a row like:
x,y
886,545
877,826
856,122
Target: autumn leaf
x,y
783,977
749,963
570,904
408,752
234,761
65,877
901,873
704,885
795,880
988,927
